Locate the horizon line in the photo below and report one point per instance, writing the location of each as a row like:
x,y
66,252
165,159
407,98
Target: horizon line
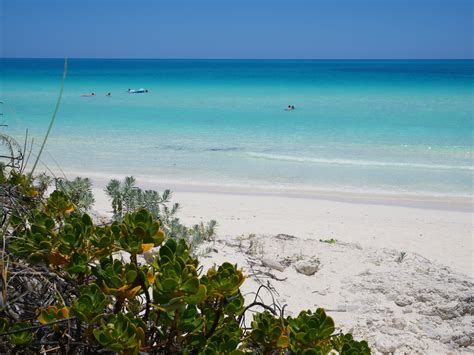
x,y
222,59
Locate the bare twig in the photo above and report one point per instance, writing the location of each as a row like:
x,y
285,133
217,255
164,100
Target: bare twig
x,y
37,326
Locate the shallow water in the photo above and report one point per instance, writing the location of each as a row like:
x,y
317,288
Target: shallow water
x,y
358,126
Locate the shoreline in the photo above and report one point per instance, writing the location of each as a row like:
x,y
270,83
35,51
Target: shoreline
x,y
421,201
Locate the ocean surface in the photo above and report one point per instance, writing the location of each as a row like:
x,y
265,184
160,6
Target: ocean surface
x,y
368,126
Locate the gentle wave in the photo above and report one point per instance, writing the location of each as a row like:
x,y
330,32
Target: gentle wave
x,y
176,147
224,149
358,162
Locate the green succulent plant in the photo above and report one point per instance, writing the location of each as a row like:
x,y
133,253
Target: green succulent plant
x,y
129,308
176,283
59,205
67,247
344,344
118,279
268,333
121,334
308,333
102,242
138,232
51,313
36,242
225,340
91,304
310,330
223,282
21,338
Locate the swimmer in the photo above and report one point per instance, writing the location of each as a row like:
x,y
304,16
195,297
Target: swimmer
x,y
108,94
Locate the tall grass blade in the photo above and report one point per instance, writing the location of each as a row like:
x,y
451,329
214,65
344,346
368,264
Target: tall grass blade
x,y
53,118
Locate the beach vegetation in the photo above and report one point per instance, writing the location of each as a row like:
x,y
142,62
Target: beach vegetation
x,y
11,153
255,247
250,245
328,241
19,195
95,301
127,197
53,118
78,190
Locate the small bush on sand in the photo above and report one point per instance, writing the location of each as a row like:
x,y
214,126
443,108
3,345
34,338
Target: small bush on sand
x,y
127,197
78,190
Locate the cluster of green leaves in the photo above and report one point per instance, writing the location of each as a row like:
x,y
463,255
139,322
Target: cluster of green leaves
x,y
22,337
308,333
127,197
78,190
13,180
111,302
19,194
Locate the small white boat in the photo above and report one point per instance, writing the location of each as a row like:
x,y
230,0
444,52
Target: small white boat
x,y
139,91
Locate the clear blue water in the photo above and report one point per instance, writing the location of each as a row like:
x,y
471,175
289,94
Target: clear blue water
x,y
360,126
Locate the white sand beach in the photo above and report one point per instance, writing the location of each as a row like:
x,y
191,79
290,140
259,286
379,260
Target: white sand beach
x,y
399,273
440,232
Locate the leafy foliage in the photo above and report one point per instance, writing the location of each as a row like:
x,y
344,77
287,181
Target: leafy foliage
x,y
19,194
121,334
22,338
78,190
108,301
126,197
90,304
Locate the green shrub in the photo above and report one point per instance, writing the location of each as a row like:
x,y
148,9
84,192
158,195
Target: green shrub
x,y
78,190
19,195
105,302
126,197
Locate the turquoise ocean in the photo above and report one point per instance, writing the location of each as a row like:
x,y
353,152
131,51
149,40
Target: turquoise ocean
x,y
375,126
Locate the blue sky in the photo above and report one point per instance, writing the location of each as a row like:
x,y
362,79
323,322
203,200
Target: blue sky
x,y
305,29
